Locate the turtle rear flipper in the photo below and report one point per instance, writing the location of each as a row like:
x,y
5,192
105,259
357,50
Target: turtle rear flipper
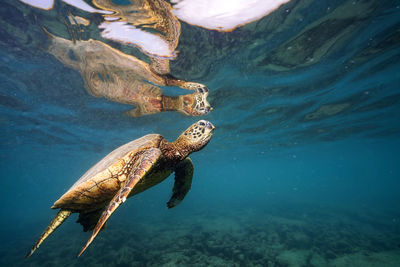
x,y
89,219
61,216
146,161
183,182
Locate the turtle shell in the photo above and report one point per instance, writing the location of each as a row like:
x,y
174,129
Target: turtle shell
x,y
101,182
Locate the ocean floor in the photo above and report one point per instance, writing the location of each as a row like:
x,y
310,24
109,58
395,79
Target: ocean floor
x,y
284,236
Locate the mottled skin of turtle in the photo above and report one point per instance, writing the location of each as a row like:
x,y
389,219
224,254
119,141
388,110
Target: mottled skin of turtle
x,y
127,171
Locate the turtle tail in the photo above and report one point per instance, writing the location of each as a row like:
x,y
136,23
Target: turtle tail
x,y
62,215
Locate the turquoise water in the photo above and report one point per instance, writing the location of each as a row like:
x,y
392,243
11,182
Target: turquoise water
x,y
303,168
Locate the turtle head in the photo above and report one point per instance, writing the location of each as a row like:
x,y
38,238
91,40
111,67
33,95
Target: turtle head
x,y
196,104
195,137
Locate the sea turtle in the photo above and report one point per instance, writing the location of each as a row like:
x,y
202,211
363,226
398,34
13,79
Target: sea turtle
x,y
125,79
127,171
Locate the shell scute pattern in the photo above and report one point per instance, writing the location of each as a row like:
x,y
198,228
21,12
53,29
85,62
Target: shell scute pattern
x,y
115,169
103,185
110,179
100,187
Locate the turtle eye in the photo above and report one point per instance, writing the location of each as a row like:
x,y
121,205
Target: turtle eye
x,y
205,89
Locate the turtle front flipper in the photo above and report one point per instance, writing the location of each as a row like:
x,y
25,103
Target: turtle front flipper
x,y
146,161
61,216
183,182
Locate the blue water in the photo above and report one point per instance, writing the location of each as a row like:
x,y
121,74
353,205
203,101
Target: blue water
x,y
303,168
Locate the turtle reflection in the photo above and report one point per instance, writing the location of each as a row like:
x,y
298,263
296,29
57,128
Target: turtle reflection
x,y
123,78
110,73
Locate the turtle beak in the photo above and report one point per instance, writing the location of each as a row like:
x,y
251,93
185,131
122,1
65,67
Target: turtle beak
x,y
208,110
210,126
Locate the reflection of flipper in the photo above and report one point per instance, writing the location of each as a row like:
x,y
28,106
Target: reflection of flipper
x,y
145,163
139,111
183,182
147,98
135,112
61,216
159,65
152,16
89,219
